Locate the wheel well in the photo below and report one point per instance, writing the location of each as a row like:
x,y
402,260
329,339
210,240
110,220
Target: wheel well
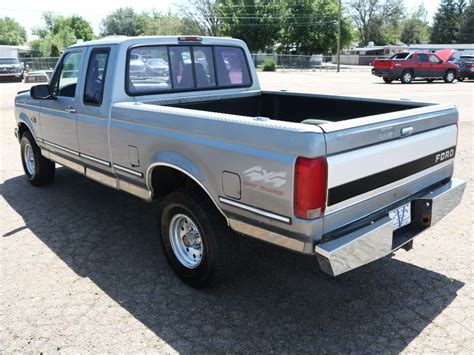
x,y
22,128
165,180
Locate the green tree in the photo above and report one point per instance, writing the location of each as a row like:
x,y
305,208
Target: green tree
x,y
447,21
415,28
82,29
124,21
11,32
377,21
59,32
257,22
205,15
170,24
466,34
467,26
310,26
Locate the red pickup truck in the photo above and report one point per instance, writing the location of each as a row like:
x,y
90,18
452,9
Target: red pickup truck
x,y
408,66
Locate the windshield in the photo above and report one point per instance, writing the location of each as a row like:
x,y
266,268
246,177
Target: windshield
x,y
9,61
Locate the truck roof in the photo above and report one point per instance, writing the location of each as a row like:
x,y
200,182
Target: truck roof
x,y
115,40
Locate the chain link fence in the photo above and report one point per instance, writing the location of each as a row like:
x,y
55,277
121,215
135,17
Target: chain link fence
x,y
39,63
283,61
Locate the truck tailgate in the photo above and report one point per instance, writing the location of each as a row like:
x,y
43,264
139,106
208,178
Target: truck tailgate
x,y
380,161
383,63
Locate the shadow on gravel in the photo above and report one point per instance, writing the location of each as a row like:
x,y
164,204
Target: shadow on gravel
x,y
278,301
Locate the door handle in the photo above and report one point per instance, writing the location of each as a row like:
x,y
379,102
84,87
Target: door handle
x,y
70,109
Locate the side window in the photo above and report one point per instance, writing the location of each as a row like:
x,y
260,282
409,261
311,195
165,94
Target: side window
x,y
204,67
67,82
148,70
423,58
95,77
231,66
435,59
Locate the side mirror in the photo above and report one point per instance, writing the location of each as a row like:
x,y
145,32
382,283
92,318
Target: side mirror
x,y
40,92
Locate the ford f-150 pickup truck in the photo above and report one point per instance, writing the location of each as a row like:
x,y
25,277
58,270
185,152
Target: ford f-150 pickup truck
x,y
346,179
408,66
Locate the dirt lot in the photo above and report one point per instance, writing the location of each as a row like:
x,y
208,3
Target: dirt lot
x,y
79,272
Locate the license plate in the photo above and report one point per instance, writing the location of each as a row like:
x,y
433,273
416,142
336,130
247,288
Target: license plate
x,y
401,216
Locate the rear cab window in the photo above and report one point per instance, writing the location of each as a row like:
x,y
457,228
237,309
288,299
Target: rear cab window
x,y
176,68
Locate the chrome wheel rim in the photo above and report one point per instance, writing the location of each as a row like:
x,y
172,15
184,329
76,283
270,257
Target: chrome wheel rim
x,y
407,77
29,158
185,240
450,77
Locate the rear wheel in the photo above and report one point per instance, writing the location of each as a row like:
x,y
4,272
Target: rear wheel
x,y
38,170
407,77
461,79
200,247
429,80
449,76
388,80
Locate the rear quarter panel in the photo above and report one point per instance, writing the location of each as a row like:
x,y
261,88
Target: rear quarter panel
x,y
206,144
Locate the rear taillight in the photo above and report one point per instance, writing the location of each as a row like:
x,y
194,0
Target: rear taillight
x,y
310,187
469,65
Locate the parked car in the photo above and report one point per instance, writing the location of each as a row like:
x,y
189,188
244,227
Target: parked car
x,y
157,67
408,66
348,180
137,66
465,64
40,76
11,68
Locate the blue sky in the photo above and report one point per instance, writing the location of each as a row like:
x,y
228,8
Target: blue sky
x,y
28,12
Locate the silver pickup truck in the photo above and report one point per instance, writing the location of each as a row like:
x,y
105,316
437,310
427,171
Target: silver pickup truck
x,y
182,120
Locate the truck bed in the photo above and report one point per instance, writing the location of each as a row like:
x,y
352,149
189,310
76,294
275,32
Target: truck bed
x,y
295,107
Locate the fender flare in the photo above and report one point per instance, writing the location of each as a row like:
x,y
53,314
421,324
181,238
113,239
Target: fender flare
x,y
25,119
183,165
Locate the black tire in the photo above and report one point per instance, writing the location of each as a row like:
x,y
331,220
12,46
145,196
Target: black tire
x,y
407,77
220,245
449,76
44,169
388,80
430,80
461,79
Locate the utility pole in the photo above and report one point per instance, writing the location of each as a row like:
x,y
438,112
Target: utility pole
x,y
339,37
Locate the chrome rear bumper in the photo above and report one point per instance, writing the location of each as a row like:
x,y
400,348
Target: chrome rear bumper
x,y
376,240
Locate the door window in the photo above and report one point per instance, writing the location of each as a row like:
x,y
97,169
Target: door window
x,y
434,59
423,58
68,75
95,77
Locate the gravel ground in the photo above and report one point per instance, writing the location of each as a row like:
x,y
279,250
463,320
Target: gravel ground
x,y
79,272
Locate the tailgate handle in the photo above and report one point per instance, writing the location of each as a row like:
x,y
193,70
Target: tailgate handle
x,y
406,131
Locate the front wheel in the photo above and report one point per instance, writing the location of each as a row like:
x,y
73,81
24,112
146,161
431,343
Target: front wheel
x,y
201,249
449,76
407,77
38,170
388,80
